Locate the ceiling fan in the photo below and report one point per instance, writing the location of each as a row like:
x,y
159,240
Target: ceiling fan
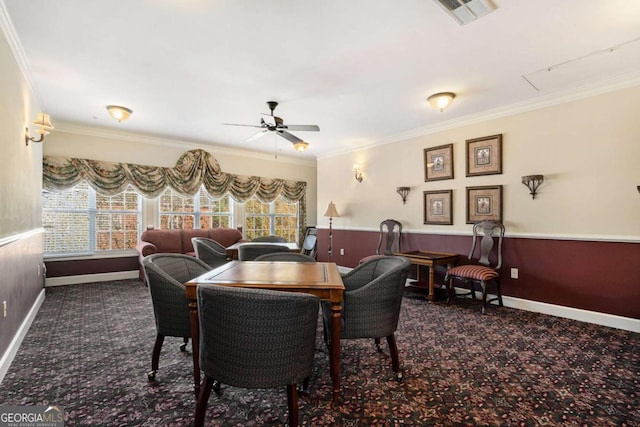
x,y
271,123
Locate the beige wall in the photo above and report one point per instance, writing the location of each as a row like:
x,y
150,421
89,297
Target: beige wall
x,y
154,152
588,150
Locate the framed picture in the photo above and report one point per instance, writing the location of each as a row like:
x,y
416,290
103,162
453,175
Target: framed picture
x,y
437,207
484,155
484,203
438,162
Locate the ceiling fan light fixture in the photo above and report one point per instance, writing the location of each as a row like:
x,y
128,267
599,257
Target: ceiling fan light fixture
x,y
441,100
300,146
119,113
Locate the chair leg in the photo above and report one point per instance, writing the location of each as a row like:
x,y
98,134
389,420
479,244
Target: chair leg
x,y
292,402
183,347
203,398
378,347
155,357
499,292
484,295
395,359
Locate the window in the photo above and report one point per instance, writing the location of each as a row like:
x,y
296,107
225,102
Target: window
x,y
278,218
199,211
80,220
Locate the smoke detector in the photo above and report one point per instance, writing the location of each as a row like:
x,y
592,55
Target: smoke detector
x,y
465,11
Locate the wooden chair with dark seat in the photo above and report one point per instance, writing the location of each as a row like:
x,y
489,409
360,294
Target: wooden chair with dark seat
x,y
255,338
485,263
209,251
390,240
250,251
166,275
372,300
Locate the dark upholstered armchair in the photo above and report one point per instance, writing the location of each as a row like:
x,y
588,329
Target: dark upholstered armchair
x,y
286,256
255,338
209,251
269,239
372,300
165,275
250,251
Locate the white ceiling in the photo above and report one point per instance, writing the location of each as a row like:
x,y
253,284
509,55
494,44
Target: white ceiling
x,y
360,69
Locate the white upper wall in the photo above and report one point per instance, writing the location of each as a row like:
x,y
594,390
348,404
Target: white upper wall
x,y
588,151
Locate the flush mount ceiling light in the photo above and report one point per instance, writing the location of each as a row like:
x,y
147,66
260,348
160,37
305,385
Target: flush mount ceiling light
x,y
119,113
441,100
465,11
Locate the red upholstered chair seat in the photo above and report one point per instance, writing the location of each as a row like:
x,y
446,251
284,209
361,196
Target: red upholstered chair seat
x,y
473,272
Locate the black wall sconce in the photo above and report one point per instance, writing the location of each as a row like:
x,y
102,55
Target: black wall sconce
x,y
532,182
357,172
403,192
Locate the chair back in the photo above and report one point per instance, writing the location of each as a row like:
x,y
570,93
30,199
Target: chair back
x,y
256,338
166,275
310,242
373,297
209,251
250,251
270,239
390,237
485,236
286,256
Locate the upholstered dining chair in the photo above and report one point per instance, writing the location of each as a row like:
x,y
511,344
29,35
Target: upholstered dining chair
x,y
209,251
250,251
286,256
165,275
255,338
486,259
372,301
270,239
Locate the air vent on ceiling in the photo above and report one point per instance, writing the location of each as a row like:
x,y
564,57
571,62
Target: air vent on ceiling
x,y
465,11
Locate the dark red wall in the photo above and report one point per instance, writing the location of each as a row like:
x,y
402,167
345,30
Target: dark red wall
x,y
589,275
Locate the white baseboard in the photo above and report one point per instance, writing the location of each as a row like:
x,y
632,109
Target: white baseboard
x,y
89,278
12,350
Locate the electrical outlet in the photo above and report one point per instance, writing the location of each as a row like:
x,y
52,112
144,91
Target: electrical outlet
x,y
514,273
341,251
4,309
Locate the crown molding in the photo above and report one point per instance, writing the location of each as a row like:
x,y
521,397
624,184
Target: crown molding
x,y
173,143
557,98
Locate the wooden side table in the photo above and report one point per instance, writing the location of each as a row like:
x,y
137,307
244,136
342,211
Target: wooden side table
x,y
430,259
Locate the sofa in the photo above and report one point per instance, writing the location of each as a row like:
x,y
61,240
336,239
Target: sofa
x,y
179,241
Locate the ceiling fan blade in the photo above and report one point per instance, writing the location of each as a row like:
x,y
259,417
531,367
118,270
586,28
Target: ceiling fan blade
x,y
236,124
289,137
257,135
308,128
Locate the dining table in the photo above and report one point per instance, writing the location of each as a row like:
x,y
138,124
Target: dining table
x,y
321,279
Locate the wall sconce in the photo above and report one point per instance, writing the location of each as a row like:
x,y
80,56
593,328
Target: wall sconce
x,y
403,192
44,126
532,182
441,100
119,113
357,172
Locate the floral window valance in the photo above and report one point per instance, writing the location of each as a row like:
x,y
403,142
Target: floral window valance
x,y
194,169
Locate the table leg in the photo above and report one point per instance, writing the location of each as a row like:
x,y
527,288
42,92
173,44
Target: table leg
x,y
195,345
431,276
334,355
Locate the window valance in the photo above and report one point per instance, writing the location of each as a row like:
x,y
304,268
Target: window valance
x,y
193,169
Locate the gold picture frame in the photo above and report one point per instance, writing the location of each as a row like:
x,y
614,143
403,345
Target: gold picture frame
x,y
438,207
438,163
484,203
484,155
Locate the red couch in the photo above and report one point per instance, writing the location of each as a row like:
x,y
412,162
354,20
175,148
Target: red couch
x,y
179,241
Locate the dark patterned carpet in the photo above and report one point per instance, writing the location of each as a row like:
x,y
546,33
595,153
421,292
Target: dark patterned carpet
x,y
89,350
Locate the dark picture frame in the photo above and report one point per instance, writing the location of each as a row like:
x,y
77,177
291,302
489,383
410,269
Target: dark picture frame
x,y
438,207
438,163
484,203
484,155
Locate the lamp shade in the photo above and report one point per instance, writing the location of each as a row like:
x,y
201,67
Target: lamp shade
x,y
300,146
43,121
331,211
